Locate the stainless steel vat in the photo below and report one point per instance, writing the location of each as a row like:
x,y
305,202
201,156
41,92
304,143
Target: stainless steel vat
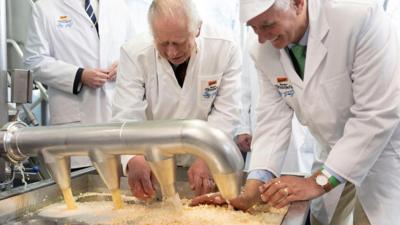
x,y
17,206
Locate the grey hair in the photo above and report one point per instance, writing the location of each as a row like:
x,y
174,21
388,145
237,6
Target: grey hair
x,y
177,10
283,5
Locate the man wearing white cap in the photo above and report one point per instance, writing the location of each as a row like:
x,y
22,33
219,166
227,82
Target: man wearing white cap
x,y
341,78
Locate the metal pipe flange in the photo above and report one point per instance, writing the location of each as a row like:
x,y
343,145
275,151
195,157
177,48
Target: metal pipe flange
x,y
10,149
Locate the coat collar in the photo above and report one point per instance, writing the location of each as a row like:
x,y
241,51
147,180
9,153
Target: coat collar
x,y
78,7
316,50
319,29
289,68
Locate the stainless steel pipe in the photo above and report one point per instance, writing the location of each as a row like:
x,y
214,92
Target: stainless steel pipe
x,y
3,64
158,141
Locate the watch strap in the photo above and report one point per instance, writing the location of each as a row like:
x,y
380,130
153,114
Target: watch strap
x,y
331,179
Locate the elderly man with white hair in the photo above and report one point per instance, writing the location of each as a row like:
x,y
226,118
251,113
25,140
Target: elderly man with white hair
x,y
184,70
341,78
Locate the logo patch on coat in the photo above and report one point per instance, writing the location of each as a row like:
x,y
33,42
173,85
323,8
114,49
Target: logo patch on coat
x,y
64,22
210,88
284,86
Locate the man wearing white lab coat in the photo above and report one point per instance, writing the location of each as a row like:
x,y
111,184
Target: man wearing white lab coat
x,y
299,157
75,60
185,70
348,97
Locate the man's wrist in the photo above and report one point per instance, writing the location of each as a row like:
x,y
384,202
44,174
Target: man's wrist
x,y
325,180
262,175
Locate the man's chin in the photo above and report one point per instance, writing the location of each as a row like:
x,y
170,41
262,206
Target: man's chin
x,y
278,45
177,62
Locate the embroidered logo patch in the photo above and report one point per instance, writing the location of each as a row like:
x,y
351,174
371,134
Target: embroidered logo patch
x,y
64,22
210,89
284,86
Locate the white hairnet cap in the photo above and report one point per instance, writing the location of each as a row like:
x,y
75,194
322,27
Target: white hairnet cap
x,y
252,8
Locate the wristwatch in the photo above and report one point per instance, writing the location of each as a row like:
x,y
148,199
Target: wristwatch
x,y
323,180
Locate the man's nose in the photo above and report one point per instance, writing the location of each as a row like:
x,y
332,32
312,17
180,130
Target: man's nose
x,y
262,38
265,36
171,51
261,35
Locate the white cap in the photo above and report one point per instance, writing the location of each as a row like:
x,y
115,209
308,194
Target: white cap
x,y
252,8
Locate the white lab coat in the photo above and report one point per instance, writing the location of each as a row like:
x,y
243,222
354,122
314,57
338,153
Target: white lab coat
x,y
299,157
147,88
138,10
349,100
393,10
61,39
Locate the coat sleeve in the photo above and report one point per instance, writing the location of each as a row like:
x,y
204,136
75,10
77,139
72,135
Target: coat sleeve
x,y
249,89
245,98
274,117
38,57
225,113
376,93
129,102
273,129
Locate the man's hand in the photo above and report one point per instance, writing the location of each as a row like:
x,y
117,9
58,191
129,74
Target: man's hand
x,y
112,74
140,178
243,141
94,78
279,192
249,196
200,179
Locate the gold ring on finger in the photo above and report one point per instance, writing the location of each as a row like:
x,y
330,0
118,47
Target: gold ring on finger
x,y
286,190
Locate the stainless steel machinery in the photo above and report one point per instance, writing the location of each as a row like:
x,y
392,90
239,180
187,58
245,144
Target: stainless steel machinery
x,y
159,141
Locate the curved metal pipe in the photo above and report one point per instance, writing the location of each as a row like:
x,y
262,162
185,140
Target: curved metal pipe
x,y
157,140
17,48
43,91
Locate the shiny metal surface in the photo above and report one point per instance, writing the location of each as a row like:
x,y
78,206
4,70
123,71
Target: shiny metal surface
x,y
108,167
21,86
297,213
16,47
21,202
14,155
164,170
157,140
3,64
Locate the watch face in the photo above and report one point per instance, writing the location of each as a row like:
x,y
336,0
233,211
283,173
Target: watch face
x,y
321,180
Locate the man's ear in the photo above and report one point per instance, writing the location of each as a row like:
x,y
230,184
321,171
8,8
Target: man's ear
x,y
198,32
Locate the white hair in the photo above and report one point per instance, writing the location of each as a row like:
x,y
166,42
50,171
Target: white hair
x,y
177,10
283,5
